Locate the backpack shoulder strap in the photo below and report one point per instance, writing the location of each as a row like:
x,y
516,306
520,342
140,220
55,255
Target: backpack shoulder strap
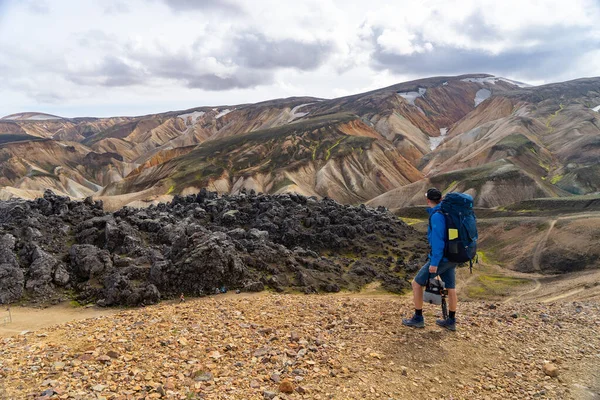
x,y
445,230
431,216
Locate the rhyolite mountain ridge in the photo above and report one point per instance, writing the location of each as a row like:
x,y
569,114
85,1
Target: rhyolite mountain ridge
x,y
500,140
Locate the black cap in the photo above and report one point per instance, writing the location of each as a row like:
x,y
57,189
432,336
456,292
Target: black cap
x,y
433,194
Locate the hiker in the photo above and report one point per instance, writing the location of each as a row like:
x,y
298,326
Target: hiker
x,y
182,298
436,265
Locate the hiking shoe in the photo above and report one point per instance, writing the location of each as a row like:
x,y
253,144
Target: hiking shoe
x,y
449,323
417,321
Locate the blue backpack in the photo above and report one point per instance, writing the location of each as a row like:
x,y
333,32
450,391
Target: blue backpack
x,y
461,228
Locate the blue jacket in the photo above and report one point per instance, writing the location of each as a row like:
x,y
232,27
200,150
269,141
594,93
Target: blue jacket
x,y
436,234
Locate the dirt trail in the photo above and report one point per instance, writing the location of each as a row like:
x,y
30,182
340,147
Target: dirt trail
x,y
579,216
34,319
563,296
537,287
537,255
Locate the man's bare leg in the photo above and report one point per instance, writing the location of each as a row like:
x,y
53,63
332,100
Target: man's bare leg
x,y
418,295
452,300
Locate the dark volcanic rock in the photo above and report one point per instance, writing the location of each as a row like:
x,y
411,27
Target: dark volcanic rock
x,y
88,261
200,263
41,271
11,277
198,245
254,287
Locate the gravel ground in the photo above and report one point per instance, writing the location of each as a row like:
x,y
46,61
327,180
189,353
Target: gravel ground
x,y
310,347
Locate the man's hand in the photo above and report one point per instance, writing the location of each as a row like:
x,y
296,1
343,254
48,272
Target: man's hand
x,y
432,269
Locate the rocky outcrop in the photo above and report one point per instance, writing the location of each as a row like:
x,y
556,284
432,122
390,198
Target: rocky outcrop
x,y
89,262
44,271
11,277
198,244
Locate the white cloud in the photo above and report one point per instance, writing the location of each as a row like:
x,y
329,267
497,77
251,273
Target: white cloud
x,y
117,57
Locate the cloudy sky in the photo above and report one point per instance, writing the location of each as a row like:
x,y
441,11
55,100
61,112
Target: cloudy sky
x,y
132,57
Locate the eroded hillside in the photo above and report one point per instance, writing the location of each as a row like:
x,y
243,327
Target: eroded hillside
x,y
497,139
517,145
350,149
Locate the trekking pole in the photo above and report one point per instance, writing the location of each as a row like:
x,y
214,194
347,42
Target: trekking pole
x,y
443,295
444,305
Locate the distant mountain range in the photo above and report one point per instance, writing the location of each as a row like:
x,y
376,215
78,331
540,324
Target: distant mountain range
x,y
501,140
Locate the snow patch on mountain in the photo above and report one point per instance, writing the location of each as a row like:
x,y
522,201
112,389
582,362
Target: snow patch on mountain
x,y
193,116
481,95
487,79
493,79
295,114
412,96
223,113
434,142
597,109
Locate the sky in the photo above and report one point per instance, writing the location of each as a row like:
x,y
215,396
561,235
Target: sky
x,y
133,57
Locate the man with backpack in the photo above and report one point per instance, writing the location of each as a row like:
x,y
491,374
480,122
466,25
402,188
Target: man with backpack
x,y
452,236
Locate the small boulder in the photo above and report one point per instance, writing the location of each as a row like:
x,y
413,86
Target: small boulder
x,y
254,287
112,354
254,384
286,386
551,370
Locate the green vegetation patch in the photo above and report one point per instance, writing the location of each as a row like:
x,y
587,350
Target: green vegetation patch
x,y
544,165
493,285
36,173
552,117
551,205
17,137
556,178
482,257
280,184
118,131
450,187
75,304
515,141
476,177
333,147
411,221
